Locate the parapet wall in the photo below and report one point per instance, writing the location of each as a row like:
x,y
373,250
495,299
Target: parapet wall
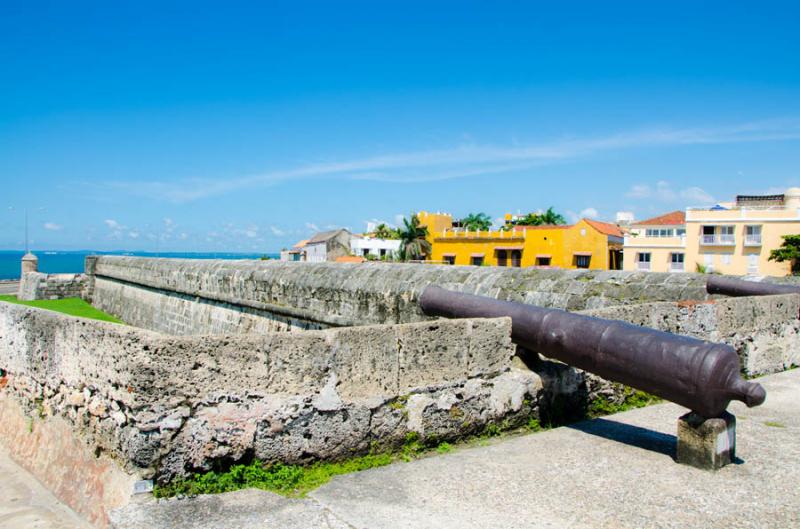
x,y
163,406
201,296
36,285
764,330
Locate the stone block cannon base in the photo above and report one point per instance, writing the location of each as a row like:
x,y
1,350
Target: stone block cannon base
x,y
709,444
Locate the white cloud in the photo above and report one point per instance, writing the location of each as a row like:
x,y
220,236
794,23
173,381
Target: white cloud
x,y
52,226
133,234
183,236
588,213
113,224
470,159
311,226
276,231
665,193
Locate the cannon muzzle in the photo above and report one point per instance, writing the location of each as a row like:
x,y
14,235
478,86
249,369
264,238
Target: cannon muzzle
x,y
728,286
699,375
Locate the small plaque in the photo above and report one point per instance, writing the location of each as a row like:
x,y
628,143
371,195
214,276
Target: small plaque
x,y
143,486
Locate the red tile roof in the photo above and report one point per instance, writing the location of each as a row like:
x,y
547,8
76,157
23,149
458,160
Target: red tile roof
x,y
673,218
605,228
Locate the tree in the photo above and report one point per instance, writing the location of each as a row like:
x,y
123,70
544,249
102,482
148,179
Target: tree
x,y
477,222
789,251
548,218
413,242
382,231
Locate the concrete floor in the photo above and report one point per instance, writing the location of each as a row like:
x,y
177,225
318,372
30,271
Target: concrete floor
x,y
615,472
26,504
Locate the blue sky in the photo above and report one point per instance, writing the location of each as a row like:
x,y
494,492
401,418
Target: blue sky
x,y
244,126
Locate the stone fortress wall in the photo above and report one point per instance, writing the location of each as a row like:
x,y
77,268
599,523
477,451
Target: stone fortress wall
x,y
161,406
36,285
185,296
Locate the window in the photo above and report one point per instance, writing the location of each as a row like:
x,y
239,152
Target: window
x,y
681,232
516,258
542,261
726,259
726,234
365,252
501,258
708,261
643,260
477,260
752,235
676,262
450,259
383,252
660,232
752,264
583,261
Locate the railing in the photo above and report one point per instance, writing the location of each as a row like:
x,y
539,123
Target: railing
x,y
752,240
644,266
677,267
718,240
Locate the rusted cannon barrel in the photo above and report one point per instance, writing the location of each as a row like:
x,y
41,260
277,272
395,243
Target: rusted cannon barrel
x,y
736,287
701,376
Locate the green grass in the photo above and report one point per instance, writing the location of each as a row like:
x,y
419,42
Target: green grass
x,y
288,480
774,424
71,306
633,398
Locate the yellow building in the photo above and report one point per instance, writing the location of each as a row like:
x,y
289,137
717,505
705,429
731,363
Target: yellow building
x,y
657,244
737,237
587,244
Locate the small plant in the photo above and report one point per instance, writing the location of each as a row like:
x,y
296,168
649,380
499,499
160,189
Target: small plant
x,y
533,425
774,424
492,430
632,398
444,447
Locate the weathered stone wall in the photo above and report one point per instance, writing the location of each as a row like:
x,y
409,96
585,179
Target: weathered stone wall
x,y
314,295
36,285
764,330
163,405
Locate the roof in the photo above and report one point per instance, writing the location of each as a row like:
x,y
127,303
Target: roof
x,y
350,259
300,244
324,236
605,228
673,218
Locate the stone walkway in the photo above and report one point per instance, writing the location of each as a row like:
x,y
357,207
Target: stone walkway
x,y
616,472
26,504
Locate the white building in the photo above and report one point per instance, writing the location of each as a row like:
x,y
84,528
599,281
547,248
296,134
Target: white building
x,y
364,246
328,245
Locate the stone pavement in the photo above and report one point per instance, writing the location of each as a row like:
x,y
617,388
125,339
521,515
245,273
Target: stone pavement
x,y
26,504
9,287
615,472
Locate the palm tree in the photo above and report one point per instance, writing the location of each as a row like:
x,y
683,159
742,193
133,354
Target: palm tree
x,y
477,222
413,242
382,231
552,218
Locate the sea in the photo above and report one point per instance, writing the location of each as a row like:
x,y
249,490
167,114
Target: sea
x,y
63,262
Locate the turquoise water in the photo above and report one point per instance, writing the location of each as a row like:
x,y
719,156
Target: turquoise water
x,y
72,262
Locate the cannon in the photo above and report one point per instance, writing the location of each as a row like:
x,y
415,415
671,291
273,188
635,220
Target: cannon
x,y
728,286
699,375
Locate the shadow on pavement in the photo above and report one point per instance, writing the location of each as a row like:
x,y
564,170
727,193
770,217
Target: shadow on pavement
x,y
630,435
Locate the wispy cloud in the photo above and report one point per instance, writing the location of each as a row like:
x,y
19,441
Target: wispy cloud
x,y
664,191
52,226
469,159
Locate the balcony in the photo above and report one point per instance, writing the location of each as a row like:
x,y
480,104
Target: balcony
x,y
677,267
718,240
752,240
643,266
